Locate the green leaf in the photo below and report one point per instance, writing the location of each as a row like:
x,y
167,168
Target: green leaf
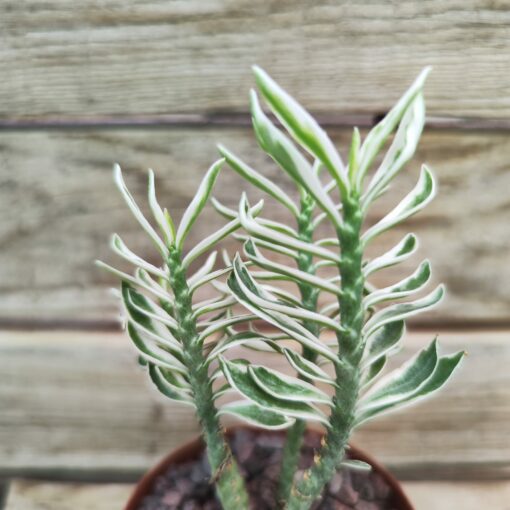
x,y
238,377
402,251
415,201
400,152
380,133
137,213
285,387
163,219
153,353
273,237
306,368
409,285
303,128
373,371
405,380
122,250
256,415
288,157
197,204
259,180
244,339
256,256
444,369
167,389
245,290
354,155
403,310
383,341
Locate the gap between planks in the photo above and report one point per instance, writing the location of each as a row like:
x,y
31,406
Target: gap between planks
x,y
75,406
227,120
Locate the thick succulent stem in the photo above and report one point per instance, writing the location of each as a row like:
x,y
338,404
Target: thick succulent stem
x,y
309,295
225,472
331,454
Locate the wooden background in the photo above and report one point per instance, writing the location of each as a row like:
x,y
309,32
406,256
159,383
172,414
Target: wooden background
x,y
158,84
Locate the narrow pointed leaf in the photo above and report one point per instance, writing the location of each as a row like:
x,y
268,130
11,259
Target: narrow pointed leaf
x,y
444,369
383,341
256,415
401,150
197,204
166,389
239,378
402,251
159,215
306,368
288,157
137,213
259,180
380,133
300,124
409,285
285,387
416,200
403,310
356,465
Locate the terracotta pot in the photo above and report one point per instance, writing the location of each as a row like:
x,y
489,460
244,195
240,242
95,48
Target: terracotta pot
x,y
194,448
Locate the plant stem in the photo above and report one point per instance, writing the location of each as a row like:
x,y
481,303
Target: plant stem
x,y
309,295
347,371
225,472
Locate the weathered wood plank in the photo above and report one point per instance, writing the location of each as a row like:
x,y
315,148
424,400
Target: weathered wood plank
x,y
29,495
59,206
74,406
156,57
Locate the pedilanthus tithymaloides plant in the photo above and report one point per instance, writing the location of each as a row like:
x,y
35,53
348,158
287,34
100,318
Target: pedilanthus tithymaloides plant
x,y
190,346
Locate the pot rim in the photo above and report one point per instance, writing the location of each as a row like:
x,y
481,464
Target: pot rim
x,y
193,448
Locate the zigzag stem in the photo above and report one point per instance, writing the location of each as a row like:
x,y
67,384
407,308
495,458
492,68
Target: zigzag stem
x,y
225,472
309,295
331,454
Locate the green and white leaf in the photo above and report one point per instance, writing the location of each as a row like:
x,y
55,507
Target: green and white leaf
x,y
402,251
403,310
288,157
255,415
239,377
273,237
384,341
163,219
167,389
286,387
302,126
260,260
409,285
259,180
415,201
307,368
401,150
137,213
197,204
379,134
245,289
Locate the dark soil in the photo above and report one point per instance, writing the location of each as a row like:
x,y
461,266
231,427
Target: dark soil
x,y
187,486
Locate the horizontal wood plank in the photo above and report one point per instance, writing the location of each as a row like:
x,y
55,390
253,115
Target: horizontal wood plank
x,y
59,207
75,406
111,57
29,495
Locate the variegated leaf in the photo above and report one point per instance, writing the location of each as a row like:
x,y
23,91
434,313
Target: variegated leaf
x,y
255,415
402,251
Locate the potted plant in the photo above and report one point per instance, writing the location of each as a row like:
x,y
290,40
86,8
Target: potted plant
x,y
334,333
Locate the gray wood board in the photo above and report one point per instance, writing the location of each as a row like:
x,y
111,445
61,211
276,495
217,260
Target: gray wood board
x,y
59,207
76,406
143,57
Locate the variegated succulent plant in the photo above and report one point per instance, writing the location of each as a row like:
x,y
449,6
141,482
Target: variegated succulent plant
x,y
334,333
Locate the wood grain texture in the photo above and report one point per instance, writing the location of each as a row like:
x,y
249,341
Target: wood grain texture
x,y
75,406
156,56
59,207
29,495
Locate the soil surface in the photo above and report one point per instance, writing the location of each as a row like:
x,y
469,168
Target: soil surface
x,y
187,486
